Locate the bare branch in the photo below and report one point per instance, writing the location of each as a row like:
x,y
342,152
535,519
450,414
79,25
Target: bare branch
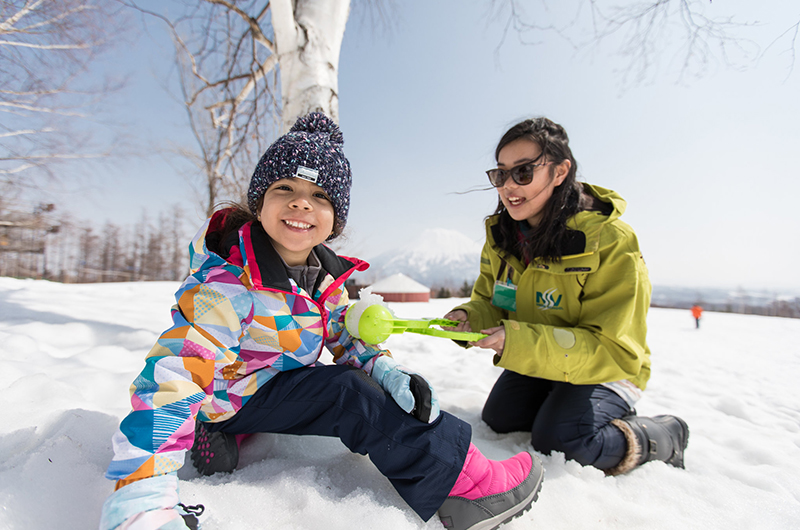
x,y
517,20
9,25
13,19
47,48
644,31
794,32
28,131
252,80
18,169
60,156
253,22
83,46
31,108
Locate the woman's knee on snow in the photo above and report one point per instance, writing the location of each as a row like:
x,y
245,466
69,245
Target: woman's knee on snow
x,y
502,421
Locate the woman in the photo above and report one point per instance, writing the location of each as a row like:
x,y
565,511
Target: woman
x,y
563,295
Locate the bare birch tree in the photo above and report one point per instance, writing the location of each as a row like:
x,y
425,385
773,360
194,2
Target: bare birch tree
x,y
248,70
89,269
111,253
45,50
177,256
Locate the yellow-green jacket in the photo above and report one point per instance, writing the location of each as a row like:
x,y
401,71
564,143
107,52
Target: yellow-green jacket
x,y
582,320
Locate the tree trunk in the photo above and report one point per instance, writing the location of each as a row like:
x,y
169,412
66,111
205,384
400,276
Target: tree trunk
x,y
308,39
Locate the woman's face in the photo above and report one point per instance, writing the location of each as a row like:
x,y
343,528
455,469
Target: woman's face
x,y
526,203
297,215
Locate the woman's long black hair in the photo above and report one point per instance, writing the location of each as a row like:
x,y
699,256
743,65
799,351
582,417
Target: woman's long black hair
x,y
547,239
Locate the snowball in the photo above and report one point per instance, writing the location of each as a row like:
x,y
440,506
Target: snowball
x,y
366,298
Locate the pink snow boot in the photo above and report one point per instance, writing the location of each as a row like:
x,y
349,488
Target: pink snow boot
x,y
488,493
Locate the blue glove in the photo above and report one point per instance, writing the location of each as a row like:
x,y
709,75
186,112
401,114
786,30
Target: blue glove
x,y
411,391
149,504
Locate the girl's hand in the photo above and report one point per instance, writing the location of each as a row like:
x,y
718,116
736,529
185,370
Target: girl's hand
x,y
411,391
461,316
495,341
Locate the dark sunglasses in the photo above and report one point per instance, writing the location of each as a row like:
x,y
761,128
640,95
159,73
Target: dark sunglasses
x,y
522,174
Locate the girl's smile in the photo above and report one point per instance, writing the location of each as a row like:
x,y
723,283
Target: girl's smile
x,y
298,224
297,215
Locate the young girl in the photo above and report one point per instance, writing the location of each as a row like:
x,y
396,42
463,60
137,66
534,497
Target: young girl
x,y
563,294
265,295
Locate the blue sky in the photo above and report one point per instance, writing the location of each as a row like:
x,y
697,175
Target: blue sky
x,y
709,166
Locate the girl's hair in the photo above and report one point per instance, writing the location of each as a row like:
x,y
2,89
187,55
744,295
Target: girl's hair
x,y
237,215
547,239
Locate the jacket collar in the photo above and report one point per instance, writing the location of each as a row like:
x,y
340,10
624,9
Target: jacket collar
x,y
585,226
265,268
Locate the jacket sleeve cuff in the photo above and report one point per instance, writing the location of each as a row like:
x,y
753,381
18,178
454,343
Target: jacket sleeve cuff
x,y
154,493
474,317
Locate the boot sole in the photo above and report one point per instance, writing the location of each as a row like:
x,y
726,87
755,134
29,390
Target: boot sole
x,y
528,503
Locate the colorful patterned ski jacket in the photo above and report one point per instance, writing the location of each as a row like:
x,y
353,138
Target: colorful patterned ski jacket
x,y
238,321
582,320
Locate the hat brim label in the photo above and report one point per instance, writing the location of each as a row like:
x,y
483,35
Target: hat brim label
x,y
306,173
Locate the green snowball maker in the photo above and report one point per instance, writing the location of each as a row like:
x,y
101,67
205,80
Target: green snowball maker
x,y
376,323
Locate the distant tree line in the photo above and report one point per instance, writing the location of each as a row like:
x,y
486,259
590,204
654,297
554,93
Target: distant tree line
x,y
465,291
40,244
740,303
787,308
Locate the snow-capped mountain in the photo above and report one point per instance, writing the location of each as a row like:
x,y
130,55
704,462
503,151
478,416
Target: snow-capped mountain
x,y
439,257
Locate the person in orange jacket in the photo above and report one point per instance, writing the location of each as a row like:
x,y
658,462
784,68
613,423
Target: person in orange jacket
x,y
697,312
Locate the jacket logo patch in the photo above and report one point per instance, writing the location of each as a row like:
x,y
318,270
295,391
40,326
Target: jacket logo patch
x,y
545,301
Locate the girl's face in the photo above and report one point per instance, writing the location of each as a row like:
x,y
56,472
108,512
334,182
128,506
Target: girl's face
x,y
526,203
297,215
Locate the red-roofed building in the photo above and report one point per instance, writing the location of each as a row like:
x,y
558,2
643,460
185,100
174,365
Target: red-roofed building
x,y
401,288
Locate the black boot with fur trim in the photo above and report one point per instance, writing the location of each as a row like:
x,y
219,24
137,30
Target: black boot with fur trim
x,y
661,438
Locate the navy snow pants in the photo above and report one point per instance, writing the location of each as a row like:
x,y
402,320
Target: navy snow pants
x,y
572,419
422,461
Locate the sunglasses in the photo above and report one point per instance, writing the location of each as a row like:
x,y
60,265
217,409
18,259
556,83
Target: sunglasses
x,y
522,174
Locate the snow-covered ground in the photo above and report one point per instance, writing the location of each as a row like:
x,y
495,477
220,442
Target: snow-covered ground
x,y
69,353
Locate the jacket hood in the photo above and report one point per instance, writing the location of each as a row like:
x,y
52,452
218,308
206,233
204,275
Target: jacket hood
x,y
607,196
591,222
200,256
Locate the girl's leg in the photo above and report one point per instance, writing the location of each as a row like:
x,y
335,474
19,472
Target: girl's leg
x,y
576,420
514,401
422,461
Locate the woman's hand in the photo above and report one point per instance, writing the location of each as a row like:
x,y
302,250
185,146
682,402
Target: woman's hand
x,y
495,341
461,316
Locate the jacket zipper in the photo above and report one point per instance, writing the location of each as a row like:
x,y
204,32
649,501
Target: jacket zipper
x,y
321,304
